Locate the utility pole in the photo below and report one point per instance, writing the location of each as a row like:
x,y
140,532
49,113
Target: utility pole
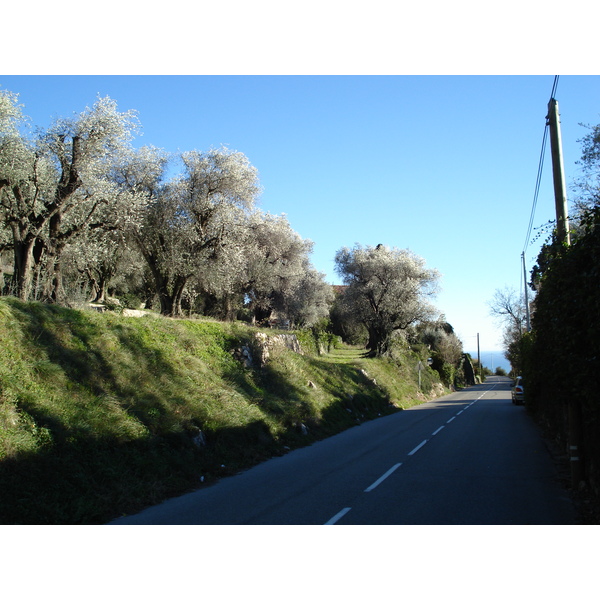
x,y
562,222
478,357
560,190
526,294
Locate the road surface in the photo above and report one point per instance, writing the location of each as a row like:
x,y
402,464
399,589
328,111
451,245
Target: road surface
x,y
469,458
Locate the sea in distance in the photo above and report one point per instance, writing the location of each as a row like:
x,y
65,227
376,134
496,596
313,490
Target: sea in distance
x,y
492,359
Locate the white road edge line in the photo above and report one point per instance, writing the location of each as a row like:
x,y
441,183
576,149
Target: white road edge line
x,y
384,476
418,447
438,430
337,517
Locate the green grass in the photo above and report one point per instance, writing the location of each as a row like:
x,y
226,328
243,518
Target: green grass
x,y
100,414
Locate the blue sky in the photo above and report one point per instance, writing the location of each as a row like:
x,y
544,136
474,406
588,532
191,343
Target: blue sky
x,y
443,165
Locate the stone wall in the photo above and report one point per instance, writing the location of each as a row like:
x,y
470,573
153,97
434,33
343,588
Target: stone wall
x,y
262,347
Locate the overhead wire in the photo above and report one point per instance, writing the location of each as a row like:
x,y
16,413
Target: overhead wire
x,y
537,188
540,171
554,86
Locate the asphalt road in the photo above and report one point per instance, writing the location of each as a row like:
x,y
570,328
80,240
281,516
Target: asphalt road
x,y
469,458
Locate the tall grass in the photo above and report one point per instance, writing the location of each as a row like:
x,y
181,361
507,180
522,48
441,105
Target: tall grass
x,y
102,415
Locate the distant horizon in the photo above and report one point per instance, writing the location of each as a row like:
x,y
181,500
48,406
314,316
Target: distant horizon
x,y
498,359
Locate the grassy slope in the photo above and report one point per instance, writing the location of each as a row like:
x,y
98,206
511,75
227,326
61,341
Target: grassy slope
x,y
99,412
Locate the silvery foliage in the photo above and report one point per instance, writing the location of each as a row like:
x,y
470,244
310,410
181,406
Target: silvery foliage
x,y
81,192
215,194
93,149
25,188
276,259
59,184
10,117
108,251
446,343
387,289
194,225
101,259
265,261
18,165
311,301
219,268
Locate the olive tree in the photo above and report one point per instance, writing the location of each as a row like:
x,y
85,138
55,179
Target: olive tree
x,y
61,183
276,264
193,221
387,290
444,345
311,300
21,172
439,336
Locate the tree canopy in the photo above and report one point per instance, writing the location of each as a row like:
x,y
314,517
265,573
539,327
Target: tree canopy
x,y
83,209
387,290
87,213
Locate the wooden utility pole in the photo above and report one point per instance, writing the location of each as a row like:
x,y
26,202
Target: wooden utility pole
x,y
560,189
562,224
479,358
527,315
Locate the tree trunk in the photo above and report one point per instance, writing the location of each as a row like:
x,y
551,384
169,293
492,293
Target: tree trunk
x,y
99,288
379,340
170,300
23,255
166,303
230,308
178,288
54,292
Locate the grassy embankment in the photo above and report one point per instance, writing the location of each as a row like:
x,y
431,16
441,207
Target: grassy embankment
x,y
100,414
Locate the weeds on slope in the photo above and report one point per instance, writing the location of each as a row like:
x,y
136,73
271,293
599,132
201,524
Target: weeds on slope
x,y
102,415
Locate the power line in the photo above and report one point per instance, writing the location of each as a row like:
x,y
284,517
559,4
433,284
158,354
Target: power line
x,y
540,170
554,86
537,187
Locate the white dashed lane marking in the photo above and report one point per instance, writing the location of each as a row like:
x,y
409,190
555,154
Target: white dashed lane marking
x,y
345,511
337,517
384,476
418,447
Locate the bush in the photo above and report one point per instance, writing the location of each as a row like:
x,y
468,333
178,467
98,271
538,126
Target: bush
x,y
130,301
561,356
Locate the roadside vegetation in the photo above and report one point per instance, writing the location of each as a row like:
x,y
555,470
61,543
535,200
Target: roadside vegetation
x,y
102,414
559,357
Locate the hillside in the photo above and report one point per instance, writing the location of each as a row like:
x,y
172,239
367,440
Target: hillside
x,y
102,414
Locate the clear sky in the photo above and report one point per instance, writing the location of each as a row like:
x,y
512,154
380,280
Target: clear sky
x,y
443,165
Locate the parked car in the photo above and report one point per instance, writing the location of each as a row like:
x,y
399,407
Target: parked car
x,y
518,391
